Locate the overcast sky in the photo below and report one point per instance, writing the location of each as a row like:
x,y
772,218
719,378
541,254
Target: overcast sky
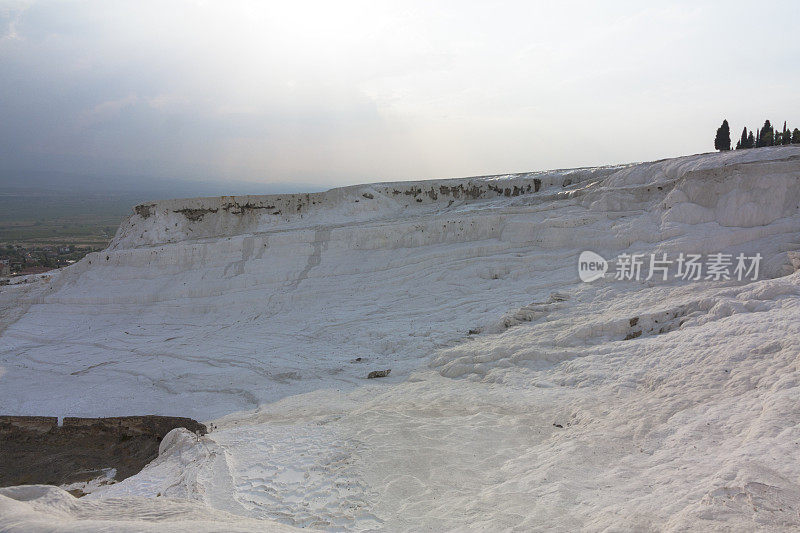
x,y
338,92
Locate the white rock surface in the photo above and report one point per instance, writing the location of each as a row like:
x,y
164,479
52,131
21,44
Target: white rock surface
x,y
225,310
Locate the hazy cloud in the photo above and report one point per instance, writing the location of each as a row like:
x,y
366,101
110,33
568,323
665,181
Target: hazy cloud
x,y
339,92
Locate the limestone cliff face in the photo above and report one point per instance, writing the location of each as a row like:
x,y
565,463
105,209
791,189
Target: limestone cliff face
x,y
193,218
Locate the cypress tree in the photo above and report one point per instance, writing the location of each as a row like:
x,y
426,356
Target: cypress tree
x,y
786,136
751,141
796,136
722,141
742,142
767,134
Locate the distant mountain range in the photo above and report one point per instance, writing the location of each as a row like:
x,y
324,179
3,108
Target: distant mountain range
x,y
98,203
148,187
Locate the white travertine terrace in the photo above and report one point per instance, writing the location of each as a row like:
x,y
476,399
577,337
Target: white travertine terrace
x,y
676,401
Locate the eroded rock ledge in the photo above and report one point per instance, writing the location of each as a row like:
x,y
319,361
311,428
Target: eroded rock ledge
x,y
36,450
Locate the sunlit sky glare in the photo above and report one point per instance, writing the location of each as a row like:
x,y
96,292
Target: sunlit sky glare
x,y
342,92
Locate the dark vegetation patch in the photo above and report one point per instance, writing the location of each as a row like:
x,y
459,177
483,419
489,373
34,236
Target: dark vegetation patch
x,y
195,215
144,210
